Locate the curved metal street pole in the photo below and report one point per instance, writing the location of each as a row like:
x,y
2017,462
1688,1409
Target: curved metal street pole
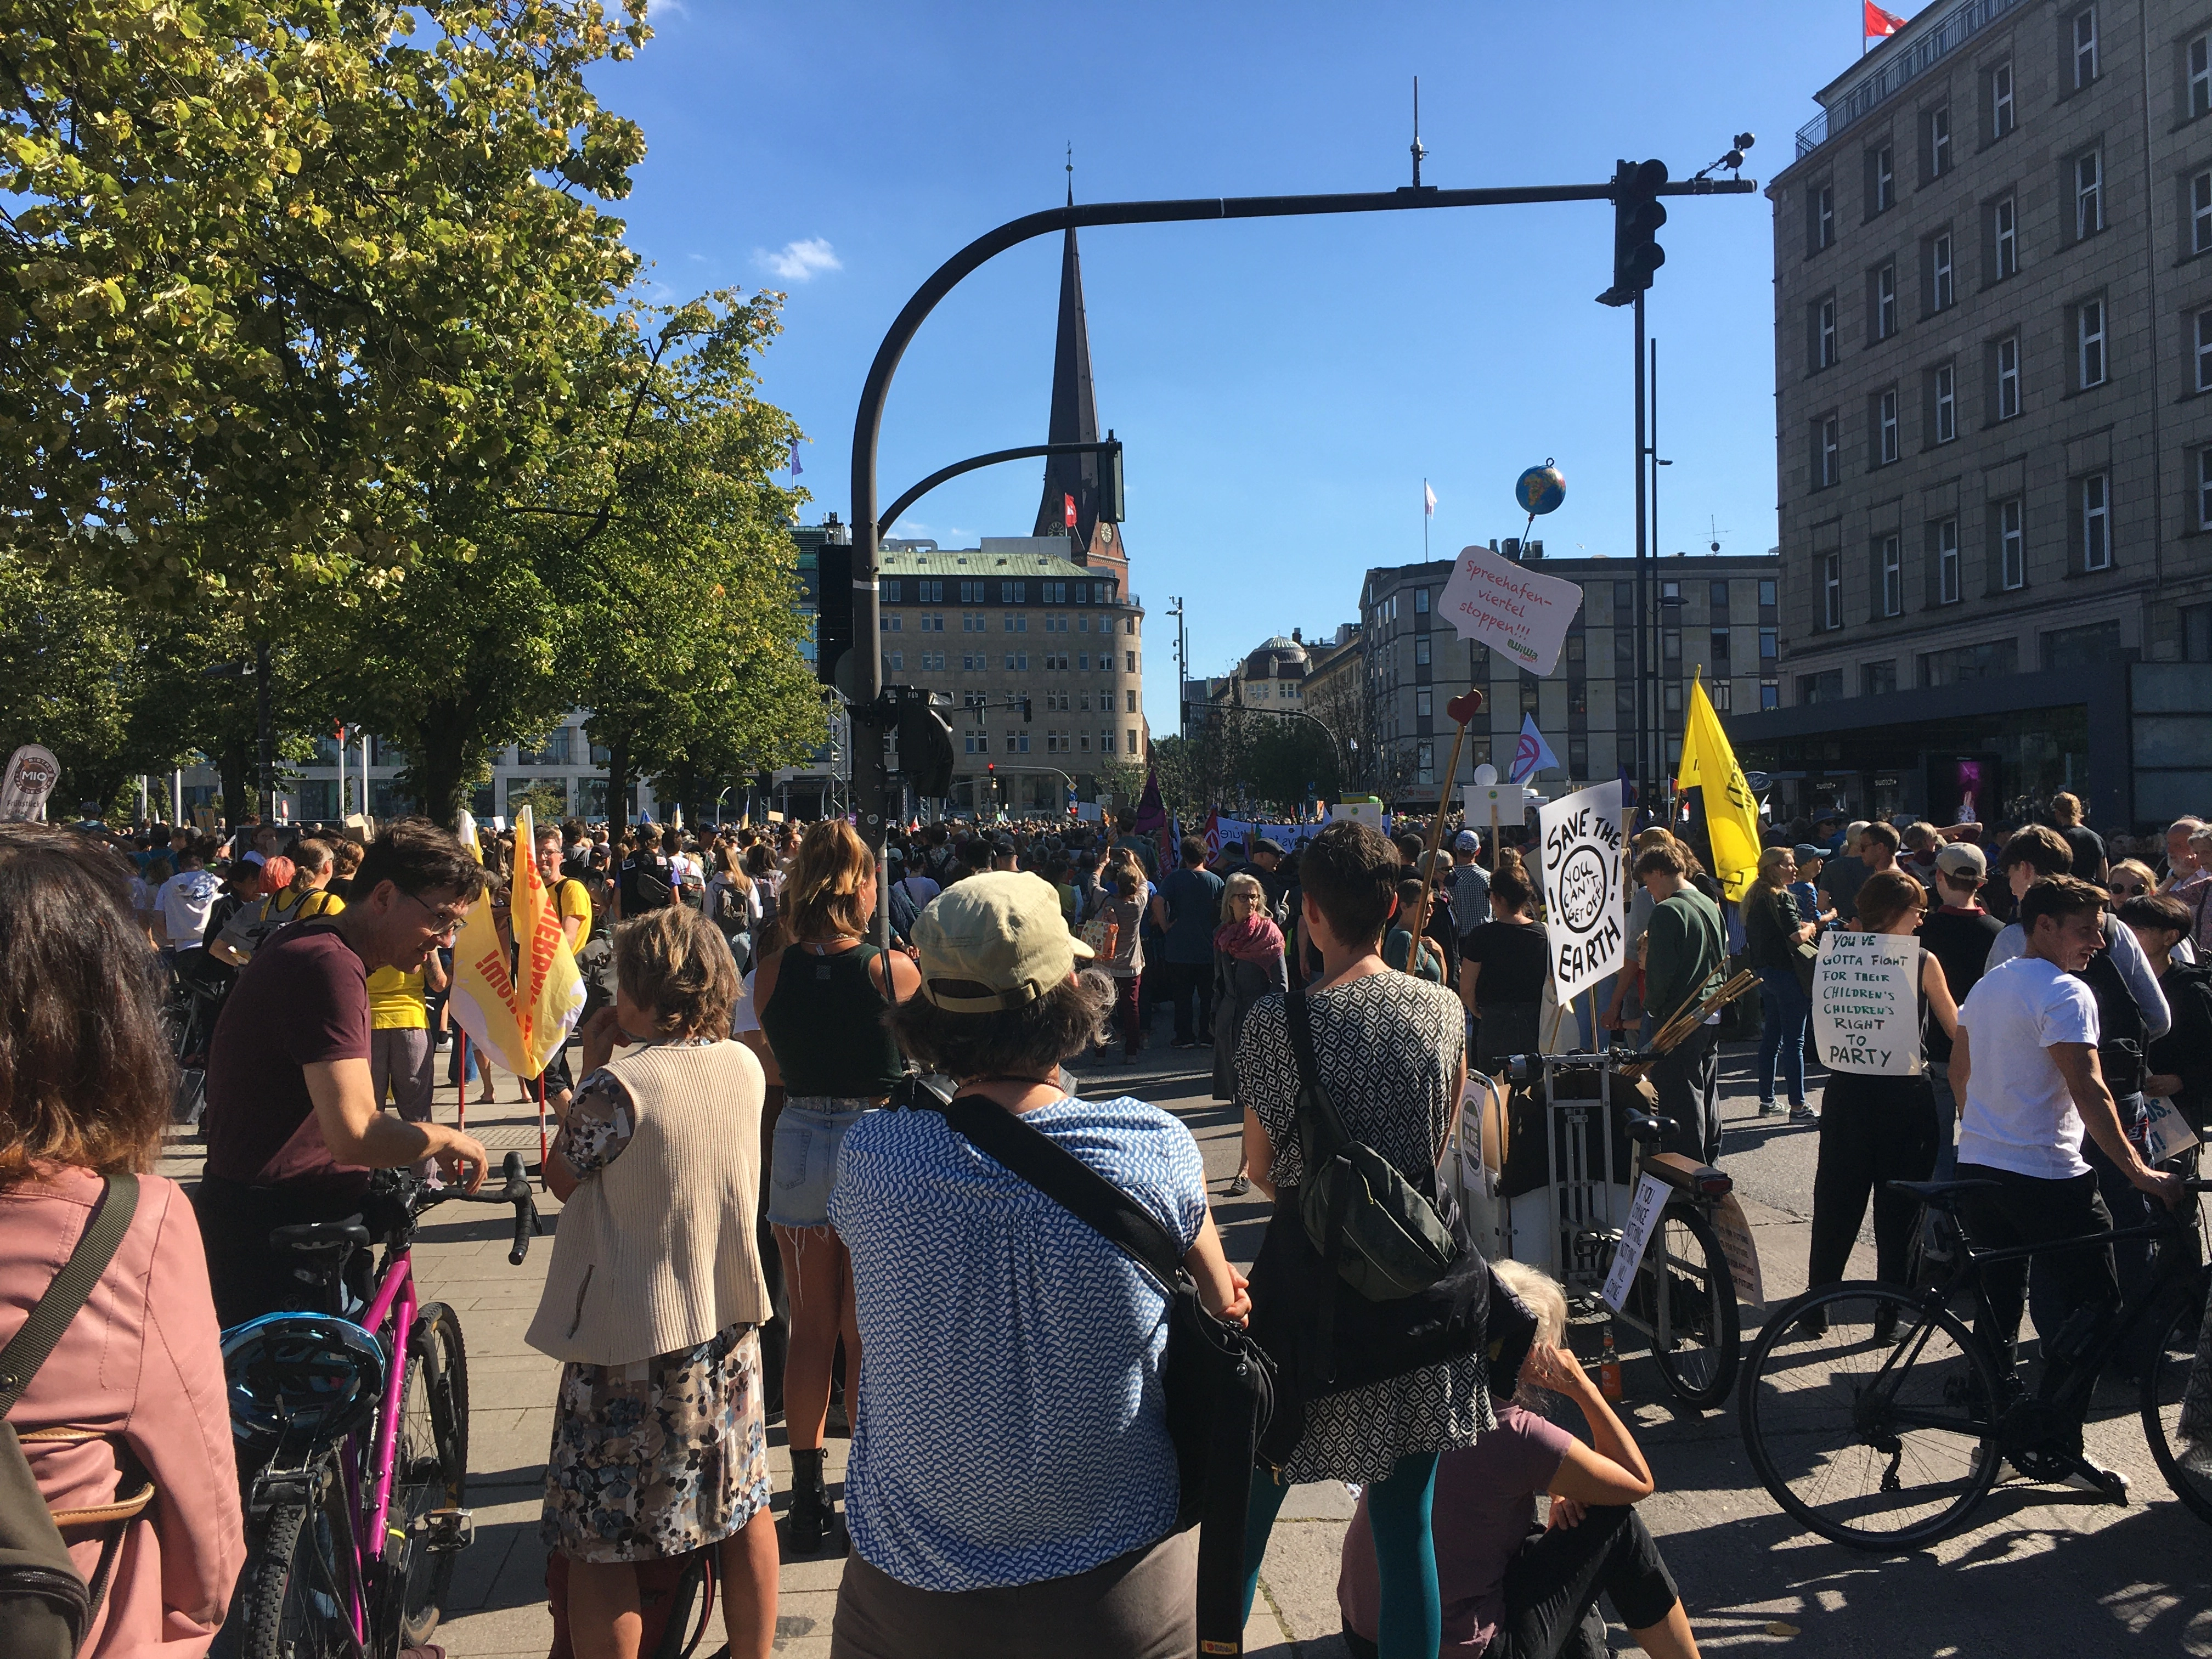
x,y
871,777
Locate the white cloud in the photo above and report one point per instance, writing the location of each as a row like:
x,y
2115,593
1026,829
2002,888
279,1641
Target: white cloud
x,y
797,261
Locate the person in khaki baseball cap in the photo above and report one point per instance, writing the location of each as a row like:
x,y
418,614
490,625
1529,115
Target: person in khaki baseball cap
x,y
1012,1423
998,940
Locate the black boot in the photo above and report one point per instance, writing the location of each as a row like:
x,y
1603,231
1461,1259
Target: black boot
x,y
810,1514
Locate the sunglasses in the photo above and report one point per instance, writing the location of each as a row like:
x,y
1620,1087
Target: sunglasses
x,y
2127,889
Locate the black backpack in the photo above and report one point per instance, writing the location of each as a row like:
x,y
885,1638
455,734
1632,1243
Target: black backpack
x,y
45,1605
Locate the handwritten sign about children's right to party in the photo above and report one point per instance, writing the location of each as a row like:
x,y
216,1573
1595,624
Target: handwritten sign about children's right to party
x,y
1866,1004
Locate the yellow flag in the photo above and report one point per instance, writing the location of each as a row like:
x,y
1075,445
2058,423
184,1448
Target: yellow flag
x,y
521,1018
1731,813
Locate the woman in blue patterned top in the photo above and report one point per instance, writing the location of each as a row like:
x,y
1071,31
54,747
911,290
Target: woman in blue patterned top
x,y
1012,1486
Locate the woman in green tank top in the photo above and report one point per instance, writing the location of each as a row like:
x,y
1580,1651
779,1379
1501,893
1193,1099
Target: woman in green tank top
x,y
821,1003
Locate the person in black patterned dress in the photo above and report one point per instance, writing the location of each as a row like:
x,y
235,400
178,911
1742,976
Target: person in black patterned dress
x,y
1392,1052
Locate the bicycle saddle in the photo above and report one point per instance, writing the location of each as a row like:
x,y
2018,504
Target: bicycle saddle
x,y
318,1235
1648,1130
1941,1194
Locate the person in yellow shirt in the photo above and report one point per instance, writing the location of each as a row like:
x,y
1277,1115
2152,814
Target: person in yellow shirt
x,y
401,1059
294,889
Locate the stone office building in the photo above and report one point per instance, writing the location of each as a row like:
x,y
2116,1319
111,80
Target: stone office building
x,y
1717,619
1993,349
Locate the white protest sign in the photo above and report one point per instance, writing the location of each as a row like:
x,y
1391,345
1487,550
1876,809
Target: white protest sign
x,y
1866,1004
1643,1216
1586,897
2167,1133
33,772
1510,608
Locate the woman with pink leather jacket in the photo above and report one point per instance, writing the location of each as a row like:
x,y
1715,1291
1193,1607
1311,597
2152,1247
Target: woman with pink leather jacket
x,y
126,1427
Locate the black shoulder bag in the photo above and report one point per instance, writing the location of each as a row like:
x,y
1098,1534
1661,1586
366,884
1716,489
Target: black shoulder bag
x,y
1219,1383
46,1606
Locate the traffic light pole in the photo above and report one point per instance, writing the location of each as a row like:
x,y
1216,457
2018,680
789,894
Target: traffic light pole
x,y
870,774
1646,735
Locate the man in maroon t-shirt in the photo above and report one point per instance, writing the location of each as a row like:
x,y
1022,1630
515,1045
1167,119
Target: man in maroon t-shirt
x,y
293,1124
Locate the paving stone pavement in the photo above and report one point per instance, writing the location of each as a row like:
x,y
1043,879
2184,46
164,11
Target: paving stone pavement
x,y
2044,1570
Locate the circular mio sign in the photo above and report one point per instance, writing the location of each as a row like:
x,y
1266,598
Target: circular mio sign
x,y
1581,887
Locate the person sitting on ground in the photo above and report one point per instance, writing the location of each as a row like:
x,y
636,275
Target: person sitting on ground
x,y
1047,1527
1508,1590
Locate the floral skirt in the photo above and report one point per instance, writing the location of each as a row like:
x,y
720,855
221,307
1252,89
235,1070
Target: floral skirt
x,y
660,1457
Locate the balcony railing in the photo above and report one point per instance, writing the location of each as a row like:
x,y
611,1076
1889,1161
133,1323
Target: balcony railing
x,y
1911,62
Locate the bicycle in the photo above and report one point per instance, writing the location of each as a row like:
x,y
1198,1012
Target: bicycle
x,y
359,1428
1682,1297
1889,1447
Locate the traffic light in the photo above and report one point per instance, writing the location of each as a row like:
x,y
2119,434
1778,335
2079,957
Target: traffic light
x,y
1637,216
1029,709
924,742
1112,503
833,600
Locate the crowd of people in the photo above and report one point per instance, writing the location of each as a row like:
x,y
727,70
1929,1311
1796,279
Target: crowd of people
x,y
758,1194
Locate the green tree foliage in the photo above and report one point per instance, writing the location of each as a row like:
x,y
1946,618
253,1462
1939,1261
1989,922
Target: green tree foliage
x,y
1287,761
292,285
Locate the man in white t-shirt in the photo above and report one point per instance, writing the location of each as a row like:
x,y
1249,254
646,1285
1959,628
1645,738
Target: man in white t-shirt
x,y
2024,1067
183,902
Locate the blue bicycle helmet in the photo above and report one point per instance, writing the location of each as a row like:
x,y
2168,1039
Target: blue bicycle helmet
x,y
301,1376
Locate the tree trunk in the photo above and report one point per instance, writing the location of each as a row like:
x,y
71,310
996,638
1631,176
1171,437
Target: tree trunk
x,y
439,767
230,764
618,782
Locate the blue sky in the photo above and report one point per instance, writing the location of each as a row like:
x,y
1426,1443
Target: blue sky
x,y
1282,387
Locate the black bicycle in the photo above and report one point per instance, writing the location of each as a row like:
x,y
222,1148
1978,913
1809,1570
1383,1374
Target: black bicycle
x,y
1886,1445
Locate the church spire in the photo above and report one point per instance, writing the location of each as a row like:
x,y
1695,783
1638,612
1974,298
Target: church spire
x,y
1074,413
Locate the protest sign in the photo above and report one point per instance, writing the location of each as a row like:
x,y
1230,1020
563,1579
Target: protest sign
x,y
33,772
1585,894
1866,1004
1651,1195
1510,608
2166,1133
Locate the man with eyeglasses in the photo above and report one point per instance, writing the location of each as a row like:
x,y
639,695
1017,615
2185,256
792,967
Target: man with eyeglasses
x,y
293,1125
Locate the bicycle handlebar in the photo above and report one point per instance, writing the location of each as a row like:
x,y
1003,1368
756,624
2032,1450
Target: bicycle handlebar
x,y
514,1189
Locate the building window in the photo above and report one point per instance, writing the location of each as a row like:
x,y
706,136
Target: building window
x,y
1947,561
1885,301
1945,422
891,590
1991,660
1881,179
2200,76
2204,490
1824,333
1424,706
2008,365
1822,216
1826,686
1769,645
2200,213
1132,735
1939,141
2089,343
2096,510
2012,551
2204,351
2004,237
1878,678
1884,427
1827,449
1718,692
895,659
1891,559
1717,594
1670,592
2088,194
2085,47
1999,100
1769,590
1425,759
1943,289
1420,601
1720,648
2197,633
1770,694
1132,707
1831,590
1421,652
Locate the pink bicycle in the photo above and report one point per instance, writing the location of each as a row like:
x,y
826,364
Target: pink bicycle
x,y
358,1429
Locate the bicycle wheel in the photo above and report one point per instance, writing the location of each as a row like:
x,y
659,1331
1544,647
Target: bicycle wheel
x,y
1696,1345
2165,1383
1876,1446
293,1596
430,1464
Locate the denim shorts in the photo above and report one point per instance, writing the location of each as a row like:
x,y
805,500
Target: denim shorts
x,y
803,1156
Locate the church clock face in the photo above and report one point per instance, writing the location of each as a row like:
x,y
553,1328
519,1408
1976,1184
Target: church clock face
x,y
1106,533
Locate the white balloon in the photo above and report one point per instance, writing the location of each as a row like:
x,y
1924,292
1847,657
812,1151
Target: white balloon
x,y
1485,774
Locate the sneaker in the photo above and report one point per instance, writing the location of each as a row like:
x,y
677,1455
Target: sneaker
x,y
2108,1484
1767,1108
1239,1186
1801,1113
1885,1324
1186,1042
1811,1329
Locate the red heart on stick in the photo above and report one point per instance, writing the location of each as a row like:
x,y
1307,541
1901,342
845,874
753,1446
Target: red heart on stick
x,y
1465,706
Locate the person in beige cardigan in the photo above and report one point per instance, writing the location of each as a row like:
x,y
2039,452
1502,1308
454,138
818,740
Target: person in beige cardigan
x,y
655,1296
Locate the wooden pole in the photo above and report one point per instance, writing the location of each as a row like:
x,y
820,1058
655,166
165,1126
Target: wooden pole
x,y
1436,839
461,1073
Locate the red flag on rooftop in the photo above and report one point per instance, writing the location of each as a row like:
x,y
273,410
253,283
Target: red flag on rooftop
x,y
1880,22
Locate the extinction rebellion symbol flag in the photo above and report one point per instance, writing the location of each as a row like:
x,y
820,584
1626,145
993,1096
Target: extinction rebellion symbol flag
x,y
1585,890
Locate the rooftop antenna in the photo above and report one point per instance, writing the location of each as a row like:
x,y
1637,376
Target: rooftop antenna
x,y
1070,173
1417,151
1713,525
